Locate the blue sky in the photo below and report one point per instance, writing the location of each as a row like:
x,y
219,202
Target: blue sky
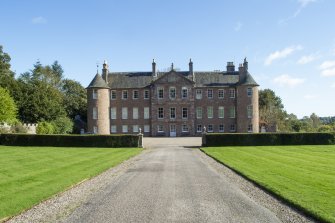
x,y
290,44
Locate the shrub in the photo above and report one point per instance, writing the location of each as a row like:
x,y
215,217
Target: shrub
x,y
45,128
268,139
69,140
62,125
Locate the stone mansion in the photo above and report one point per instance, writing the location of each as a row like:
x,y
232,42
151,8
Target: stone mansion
x,y
173,103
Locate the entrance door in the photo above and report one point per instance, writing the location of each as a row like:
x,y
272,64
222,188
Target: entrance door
x,y
173,130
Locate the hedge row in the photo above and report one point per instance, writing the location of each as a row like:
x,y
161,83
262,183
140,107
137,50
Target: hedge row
x,y
69,140
268,139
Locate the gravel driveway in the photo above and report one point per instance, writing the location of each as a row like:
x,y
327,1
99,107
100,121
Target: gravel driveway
x,y
172,181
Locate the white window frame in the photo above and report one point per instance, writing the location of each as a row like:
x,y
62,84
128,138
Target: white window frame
x,y
249,128
198,94
173,114
232,112
113,129
210,128
184,113
124,94
95,94
113,113
221,93
249,111
135,128
221,112
199,128
184,92
146,128
221,128
113,95
172,92
232,128
232,93
124,128
184,128
249,92
160,113
146,95
160,128
210,112
146,113
95,113
135,94
135,112
160,89
199,112
210,93
124,113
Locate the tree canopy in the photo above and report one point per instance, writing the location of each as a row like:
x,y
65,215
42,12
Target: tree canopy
x,y
8,110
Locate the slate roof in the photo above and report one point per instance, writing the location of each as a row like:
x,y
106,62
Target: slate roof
x,y
144,79
98,82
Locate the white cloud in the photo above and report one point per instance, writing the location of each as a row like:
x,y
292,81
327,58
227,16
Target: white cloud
x,y
328,68
238,26
310,96
302,5
327,64
286,80
307,59
281,54
328,72
39,20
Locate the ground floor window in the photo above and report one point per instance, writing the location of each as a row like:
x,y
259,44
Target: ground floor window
x,y
232,128
95,129
113,129
184,128
146,128
221,128
210,128
199,128
135,128
125,128
250,128
160,128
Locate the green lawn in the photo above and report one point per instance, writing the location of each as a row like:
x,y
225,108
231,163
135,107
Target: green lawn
x,y
29,175
302,175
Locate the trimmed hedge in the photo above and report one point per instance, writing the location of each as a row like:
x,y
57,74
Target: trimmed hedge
x,y
113,141
268,139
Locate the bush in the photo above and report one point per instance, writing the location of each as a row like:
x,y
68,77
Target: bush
x,y
62,125
268,139
45,128
112,141
18,128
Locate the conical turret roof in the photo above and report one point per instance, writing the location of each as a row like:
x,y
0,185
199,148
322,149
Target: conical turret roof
x,y
98,82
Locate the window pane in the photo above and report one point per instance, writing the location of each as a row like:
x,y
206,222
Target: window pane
x,y
135,113
210,112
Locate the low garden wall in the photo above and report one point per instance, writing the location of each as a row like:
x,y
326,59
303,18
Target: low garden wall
x,y
113,141
267,139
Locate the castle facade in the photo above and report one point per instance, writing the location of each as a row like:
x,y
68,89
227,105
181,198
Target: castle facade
x,y
173,103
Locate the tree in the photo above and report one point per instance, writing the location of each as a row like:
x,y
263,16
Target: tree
x,y
62,125
75,99
315,121
7,77
41,99
8,110
271,110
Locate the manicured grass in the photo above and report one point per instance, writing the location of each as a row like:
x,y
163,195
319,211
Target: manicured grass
x,y
29,175
302,175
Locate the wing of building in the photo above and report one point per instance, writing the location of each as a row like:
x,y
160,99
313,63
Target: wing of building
x,y
174,103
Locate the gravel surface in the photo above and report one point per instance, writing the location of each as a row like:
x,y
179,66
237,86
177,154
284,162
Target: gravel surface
x,y
170,182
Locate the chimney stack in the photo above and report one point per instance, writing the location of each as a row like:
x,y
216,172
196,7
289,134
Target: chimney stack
x,y
230,67
105,71
190,68
154,72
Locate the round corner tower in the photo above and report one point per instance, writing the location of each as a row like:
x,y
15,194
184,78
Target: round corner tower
x,y
247,101
98,93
